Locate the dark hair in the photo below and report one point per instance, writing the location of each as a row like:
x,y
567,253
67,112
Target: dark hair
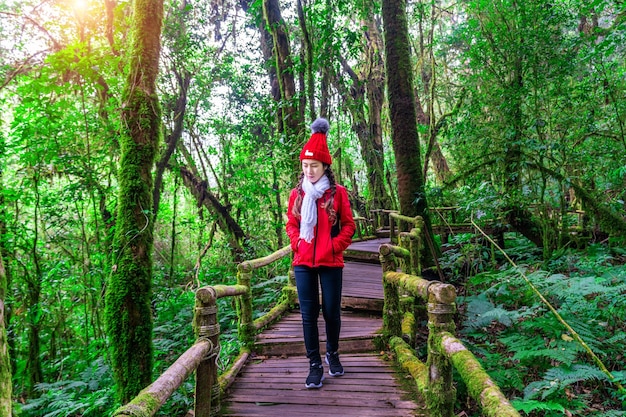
x,y
328,205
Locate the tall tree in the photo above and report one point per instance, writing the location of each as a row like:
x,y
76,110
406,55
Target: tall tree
x,y
128,298
289,119
6,384
404,136
527,68
365,98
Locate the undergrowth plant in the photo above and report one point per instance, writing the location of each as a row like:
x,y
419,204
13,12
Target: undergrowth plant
x,y
530,354
88,390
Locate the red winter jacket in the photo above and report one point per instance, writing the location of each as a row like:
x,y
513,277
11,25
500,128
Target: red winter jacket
x,y
323,250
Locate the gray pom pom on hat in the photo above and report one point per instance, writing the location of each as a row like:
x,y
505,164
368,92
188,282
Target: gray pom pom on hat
x,y
320,125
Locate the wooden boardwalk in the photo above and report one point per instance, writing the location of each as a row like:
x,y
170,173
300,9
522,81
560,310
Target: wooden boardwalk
x,y
272,382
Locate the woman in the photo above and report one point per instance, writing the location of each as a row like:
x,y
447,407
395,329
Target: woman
x,y
320,227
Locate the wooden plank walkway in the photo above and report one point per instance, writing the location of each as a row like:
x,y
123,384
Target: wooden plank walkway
x,y
285,337
275,387
272,382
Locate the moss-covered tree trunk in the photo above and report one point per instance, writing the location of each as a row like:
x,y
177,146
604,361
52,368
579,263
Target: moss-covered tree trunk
x,y
128,297
518,216
289,119
33,296
411,193
5,364
375,90
366,97
6,387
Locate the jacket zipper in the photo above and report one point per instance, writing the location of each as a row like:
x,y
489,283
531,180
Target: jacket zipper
x,y
314,246
317,207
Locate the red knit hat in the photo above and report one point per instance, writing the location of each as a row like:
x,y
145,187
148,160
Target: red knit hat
x,y
317,148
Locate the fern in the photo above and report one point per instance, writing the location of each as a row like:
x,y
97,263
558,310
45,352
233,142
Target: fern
x,y
575,373
529,406
481,313
562,356
555,380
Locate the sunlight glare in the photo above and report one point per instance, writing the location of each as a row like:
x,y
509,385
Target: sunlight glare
x,y
79,6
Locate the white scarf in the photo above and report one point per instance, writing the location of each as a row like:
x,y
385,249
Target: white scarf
x,y
308,212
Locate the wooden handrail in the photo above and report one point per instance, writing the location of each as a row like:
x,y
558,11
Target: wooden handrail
x,y
150,399
434,378
202,356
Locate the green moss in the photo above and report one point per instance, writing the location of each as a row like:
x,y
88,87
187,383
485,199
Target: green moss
x,y
128,312
408,326
410,363
143,405
480,387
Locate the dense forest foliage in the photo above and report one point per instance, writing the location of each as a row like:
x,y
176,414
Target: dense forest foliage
x,y
166,135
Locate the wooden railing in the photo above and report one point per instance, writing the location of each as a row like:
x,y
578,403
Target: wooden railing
x,y
364,228
202,356
409,298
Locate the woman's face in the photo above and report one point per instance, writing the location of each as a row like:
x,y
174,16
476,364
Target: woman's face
x,y
313,169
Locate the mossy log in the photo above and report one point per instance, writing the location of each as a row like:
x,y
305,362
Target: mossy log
x,y
249,266
410,363
149,400
408,327
416,221
443,293
386,249
205,294
227,378
288,300
479,384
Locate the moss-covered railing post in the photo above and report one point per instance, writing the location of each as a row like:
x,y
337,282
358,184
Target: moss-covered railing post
x,y
392,315
433,379
416,246
392,230
441,395
404,241
206,327
244,304
391,301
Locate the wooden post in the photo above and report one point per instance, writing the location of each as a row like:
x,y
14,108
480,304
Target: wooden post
x,y
406,264
392,230
292,276
392,325
415,249
206,327
244,305
441,394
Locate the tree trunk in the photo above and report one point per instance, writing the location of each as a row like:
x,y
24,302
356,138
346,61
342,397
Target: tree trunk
x,y
375,90
35,313
369,130
307,51
518,216
290,123
128,297
411,193
5,364
402,110
204,196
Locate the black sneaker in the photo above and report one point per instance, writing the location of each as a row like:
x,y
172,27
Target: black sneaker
x,y
332,359
316,376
